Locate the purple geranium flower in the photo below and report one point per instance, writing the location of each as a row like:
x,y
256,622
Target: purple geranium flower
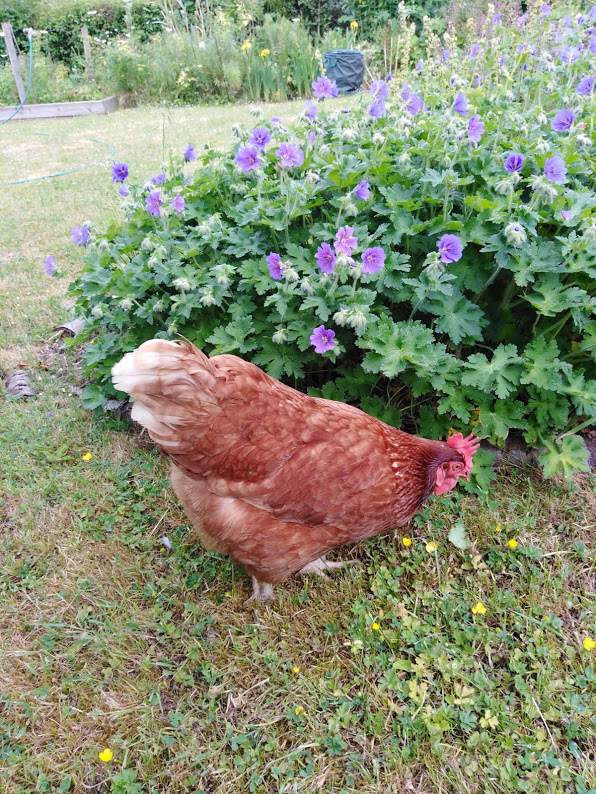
x,y
276,269
563,120
461,105
446,54
189,153
345,242
545,9
379,89
474,51
373,260
158,179
377,110
260,137
322,338
123,191
362,190
593,44
405,92
514,162
311,137
49,266
419,65
49,415
325,258
475,128
80,234
585,85
119,172
566,215
496,19
555,169
310,110
414,105
248,158
290,155
178,203
153,203
450,248
323,88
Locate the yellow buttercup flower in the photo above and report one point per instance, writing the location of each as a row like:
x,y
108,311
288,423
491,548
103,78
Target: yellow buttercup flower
x,y
512,543
87,456
376,626
498,528
295,669
106,755
246,46
265,52
406,541
430,547
354,25
479,609
589,644
298,710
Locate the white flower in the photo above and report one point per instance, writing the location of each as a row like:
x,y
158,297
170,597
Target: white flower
x,y
126,304
515,234
183,284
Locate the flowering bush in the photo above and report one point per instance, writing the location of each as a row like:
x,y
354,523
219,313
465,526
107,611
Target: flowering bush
x,y
428,255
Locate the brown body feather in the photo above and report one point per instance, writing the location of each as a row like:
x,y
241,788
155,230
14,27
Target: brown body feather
x,y
268,475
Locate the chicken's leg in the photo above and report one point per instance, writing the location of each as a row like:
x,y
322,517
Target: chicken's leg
x,y
321,566
261,591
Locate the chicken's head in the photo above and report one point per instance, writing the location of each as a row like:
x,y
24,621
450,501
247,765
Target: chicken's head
x,y
448,473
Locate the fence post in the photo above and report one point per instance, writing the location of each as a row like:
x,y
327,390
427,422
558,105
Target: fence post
x,y
14,60
87,49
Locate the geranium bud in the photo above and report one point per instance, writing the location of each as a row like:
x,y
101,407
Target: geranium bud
x,y
207,298
312,178
103,245
590,232
357,318
172,330
341,317
584,140
542,146
158,306
515,234
306,286
126,304
183,284
351,208
279,336
515,177
204,228
404,159
223,279
348,135
147,244
290,273
504,187
324,150
161,252
541,118
97,312
378,139
153,261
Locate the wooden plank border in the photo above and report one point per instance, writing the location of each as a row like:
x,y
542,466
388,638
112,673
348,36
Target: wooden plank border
x,y
57,110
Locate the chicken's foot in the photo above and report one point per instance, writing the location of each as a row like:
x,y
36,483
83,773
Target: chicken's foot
x,y
321,566
261,591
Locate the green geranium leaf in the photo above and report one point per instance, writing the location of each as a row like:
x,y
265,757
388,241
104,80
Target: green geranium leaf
x,y
565,456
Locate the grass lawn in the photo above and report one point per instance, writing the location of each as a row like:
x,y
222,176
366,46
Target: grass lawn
x,y
382,680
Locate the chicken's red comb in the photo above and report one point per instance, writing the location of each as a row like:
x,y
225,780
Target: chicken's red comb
x,y
466,446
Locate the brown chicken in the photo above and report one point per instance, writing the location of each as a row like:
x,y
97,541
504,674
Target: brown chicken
x,y
271,476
